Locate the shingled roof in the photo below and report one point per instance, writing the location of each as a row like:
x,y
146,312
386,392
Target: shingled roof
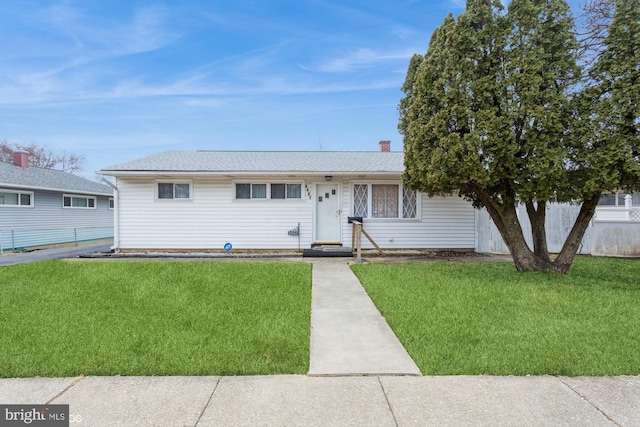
x,y
35,178
268,162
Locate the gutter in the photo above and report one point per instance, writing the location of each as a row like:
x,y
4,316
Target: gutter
x,y
231,174
116,215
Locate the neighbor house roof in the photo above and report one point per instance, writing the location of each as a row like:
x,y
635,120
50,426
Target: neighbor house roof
x,y
35,178
264,162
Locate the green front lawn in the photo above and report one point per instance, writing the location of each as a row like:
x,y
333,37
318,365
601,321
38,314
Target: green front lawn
x,y
61,318
457,318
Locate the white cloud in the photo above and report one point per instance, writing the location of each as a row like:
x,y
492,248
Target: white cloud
x,y
459,4
147,31
72,61
358,59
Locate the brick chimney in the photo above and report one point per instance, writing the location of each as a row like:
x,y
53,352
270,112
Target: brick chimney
x,y
385,146
21,159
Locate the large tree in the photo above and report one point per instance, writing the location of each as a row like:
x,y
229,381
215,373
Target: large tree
x,y
611,102
43,157
490,114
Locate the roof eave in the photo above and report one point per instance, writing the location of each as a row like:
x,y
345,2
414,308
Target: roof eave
x,y
57,190
241,173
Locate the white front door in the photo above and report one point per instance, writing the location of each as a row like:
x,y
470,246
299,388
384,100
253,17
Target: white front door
x,y
328,213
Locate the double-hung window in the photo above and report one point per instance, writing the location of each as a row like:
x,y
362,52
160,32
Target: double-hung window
x,y
72,201
16,198
273,191
384,201
174,190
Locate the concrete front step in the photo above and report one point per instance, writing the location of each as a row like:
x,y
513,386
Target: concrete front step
x,y
323,251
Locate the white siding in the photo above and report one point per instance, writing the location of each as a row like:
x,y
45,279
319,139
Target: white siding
x,y
212,218
444,223
47,212
209,220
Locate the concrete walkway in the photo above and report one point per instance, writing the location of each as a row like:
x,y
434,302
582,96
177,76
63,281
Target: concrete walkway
x,y
349,336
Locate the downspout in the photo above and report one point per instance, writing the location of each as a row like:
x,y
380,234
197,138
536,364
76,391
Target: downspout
x,y
116,215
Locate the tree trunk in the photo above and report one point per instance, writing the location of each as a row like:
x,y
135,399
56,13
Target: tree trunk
x,y
571,245
508,224
523,258
506,220
537,218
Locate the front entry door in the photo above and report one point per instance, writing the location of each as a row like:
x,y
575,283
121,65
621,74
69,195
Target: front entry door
x,y
328,213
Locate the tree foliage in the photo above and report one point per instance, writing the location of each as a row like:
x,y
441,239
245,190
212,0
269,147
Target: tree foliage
x,y
43,157
613,98
492,112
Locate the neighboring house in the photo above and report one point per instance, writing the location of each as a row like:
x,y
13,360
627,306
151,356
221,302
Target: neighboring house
x,y
40,207
203,200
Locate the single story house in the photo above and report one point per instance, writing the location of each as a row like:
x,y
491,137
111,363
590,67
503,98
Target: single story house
x,y
209,200
40,207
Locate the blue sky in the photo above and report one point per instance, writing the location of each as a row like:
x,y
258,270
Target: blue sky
x,y
117,80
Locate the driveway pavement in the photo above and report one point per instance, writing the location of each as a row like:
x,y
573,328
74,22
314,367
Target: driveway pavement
x,y
48,254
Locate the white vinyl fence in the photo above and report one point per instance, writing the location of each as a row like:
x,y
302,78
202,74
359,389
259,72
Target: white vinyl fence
x,y
613,231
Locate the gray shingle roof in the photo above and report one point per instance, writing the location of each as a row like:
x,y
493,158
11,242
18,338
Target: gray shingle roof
x,y
48,179
308,162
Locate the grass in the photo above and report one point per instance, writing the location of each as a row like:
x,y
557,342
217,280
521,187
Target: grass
x,y
61,318
457,318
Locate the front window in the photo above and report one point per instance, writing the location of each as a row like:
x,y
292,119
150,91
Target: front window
x,y
286,191
174,190
361,200
16,198
409,203
258,191
78,202
384,201
273,191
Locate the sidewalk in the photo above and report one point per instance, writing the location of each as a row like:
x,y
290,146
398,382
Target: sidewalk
x,y
353,380
298,400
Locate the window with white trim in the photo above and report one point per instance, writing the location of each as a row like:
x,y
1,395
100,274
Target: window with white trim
x,y
16,198
264,191
111,202
384,201
286,191
174,190
72,201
